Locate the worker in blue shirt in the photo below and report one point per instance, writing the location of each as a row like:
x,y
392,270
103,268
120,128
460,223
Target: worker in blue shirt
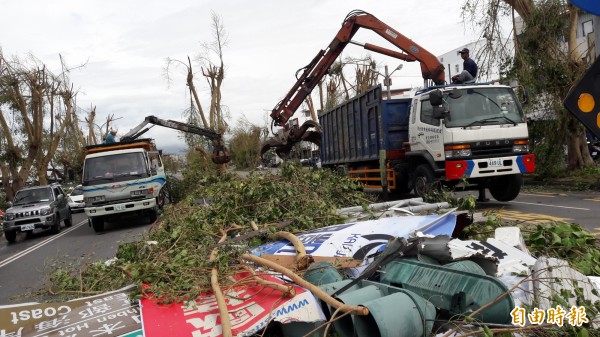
x,y
469,72
110,138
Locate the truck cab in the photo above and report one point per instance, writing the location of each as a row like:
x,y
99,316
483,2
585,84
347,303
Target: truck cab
x,y
478,132
122,178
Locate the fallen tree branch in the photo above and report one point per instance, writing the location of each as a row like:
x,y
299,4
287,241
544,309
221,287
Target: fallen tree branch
x,y
250,235
287,290
354,310
302,260
214,282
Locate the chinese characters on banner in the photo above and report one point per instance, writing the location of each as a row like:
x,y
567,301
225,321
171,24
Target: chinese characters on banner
x,y
250,307
108,314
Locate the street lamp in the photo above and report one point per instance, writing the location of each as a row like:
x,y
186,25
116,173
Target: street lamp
x,y
387,79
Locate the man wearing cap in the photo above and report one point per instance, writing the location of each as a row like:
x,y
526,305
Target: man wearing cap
x,y
110,138
469,72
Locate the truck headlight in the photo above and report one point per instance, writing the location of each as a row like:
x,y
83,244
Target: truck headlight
x,y
144,192
521,148
9,216
45,211
98,198
457,151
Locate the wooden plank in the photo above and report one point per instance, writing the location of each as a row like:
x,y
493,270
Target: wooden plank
x,y
289,261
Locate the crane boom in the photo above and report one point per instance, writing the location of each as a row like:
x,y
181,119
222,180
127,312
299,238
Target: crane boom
x,y
431,68
219,155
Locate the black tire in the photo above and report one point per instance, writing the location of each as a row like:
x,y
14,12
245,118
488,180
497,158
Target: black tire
x,y
506,188
11,236
55,229
424,178
160,200
69,220
97,224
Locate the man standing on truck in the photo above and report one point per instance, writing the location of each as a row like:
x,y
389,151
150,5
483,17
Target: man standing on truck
x,y
469,72
110,138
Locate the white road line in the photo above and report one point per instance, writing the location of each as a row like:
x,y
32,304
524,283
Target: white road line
x,y
533,203
40,244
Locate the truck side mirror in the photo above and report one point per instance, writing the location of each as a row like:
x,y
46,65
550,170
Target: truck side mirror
x,y
436,97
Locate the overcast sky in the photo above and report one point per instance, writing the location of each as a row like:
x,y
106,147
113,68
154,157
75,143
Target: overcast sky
x,y
125,43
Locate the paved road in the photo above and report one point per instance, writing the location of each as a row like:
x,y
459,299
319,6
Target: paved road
x,y
541,207
25,263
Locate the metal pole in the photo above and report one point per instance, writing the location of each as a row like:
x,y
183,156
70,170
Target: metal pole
x,y
387,82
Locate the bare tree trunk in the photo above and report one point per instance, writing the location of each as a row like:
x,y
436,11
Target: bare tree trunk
x,y
190,83
311,108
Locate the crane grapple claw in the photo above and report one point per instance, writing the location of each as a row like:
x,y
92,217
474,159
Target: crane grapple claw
x,y
284,140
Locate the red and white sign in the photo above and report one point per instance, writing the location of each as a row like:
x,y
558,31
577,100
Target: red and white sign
x,y
250,307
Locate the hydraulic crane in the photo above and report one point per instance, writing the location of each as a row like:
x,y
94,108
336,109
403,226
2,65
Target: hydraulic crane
x,y
220,155
312,74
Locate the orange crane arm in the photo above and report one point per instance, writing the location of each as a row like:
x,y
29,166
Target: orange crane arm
x,y
431,68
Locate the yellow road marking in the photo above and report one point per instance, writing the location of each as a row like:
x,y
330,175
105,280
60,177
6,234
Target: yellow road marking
x,y
539,195
533,218
594,199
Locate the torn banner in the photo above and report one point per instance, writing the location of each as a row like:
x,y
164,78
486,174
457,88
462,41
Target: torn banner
x,y
250,308
107,314
360,240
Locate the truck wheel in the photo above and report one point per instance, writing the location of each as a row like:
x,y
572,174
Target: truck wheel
x,y
11,236
55,229
69,220
160,200
424,177
506,188
97,224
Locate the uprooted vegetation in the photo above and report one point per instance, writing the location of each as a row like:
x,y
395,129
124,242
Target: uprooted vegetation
x,y
172,260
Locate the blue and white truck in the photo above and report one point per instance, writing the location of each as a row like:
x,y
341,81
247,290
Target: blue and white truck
x,y
128,177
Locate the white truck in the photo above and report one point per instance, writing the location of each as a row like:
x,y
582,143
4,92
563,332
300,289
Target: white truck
x,y
129,177
122,178
475,132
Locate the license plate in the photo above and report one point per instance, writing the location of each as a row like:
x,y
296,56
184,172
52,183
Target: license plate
x,y
29,227
119,207
495,162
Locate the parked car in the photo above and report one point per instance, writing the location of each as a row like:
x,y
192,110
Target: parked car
x,y
37,207
75,199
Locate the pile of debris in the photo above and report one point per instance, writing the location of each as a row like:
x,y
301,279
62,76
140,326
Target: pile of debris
x,y
383,270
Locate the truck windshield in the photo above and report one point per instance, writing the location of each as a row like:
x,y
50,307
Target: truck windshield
x,y
483,106
111,168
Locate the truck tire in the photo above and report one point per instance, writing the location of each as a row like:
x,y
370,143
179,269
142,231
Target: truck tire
x,y
55,229
69,220
11,236
160,200
97,224
424,177
506,188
